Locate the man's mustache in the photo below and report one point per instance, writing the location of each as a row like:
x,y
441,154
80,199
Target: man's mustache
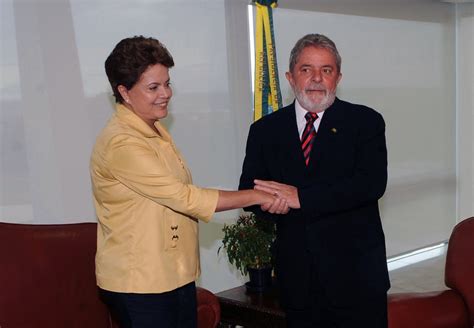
x,y
316,87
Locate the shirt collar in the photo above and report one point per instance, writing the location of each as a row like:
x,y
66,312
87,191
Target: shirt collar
x,y
126,115
301,112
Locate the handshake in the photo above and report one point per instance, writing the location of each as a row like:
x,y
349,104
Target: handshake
x,y
276,198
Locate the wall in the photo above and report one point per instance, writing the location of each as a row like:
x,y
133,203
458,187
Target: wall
x,y
465,96
55,98
398,57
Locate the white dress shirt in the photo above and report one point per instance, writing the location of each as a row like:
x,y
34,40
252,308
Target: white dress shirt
x,y
301,120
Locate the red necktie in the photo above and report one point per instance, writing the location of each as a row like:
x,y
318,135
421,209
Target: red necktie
x,y
308,135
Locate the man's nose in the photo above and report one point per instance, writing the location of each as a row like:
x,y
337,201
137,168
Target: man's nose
x,y
317,76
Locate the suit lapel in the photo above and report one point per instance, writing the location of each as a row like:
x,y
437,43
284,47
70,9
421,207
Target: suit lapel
x,y
328,127
291,156
290,152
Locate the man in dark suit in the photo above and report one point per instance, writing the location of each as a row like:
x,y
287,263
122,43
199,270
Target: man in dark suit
x,y
331,168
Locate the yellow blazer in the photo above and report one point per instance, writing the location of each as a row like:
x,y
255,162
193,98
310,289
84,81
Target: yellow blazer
x,y
147,208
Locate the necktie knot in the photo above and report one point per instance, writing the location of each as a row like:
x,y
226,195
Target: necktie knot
x,y
311,117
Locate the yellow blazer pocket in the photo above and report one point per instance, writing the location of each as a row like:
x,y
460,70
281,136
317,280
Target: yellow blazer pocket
x,y
171,231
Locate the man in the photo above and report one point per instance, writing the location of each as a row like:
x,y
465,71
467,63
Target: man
x,y
328,159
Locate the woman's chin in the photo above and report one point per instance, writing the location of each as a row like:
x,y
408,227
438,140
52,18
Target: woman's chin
x,y
163,113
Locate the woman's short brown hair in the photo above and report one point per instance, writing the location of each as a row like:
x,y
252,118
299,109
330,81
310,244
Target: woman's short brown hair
x,y
130,58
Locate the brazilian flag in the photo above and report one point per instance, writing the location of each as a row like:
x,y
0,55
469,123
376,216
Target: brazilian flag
x,y
267,96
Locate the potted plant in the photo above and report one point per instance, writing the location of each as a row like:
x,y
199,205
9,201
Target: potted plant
x,y
248,246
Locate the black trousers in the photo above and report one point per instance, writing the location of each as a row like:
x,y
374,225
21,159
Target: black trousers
x,y
324,315
174,309
307,304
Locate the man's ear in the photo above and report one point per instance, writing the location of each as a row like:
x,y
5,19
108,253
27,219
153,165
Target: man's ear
x,y
124,93
339,78
289,77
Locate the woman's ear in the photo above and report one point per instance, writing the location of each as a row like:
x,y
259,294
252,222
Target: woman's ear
x,y
124,93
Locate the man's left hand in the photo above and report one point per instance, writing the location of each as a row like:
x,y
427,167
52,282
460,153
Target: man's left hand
x,y
280,190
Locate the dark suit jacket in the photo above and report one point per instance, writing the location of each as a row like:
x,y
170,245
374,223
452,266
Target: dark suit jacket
x,y
339,221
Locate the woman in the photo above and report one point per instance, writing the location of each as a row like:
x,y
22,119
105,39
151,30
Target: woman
x,y
147,246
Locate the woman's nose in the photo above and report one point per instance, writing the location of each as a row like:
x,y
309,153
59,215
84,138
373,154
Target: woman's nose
x,y
166,92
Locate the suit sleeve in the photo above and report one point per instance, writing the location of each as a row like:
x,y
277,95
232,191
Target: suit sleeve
x,y
254,167
367,183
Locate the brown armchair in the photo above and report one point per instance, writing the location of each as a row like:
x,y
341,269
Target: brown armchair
x,y
47,279
451,308
208,308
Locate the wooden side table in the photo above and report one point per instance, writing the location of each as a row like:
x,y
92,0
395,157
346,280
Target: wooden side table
x,y
250,309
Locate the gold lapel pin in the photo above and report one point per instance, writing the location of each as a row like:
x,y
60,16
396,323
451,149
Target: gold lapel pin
x,y
334,130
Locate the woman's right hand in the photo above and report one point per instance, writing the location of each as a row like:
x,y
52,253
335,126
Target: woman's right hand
x,y
274,204
288,192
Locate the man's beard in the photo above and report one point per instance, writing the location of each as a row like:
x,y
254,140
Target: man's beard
x,y
312,106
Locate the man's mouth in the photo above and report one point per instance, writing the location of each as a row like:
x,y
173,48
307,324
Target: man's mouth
x,y
315,90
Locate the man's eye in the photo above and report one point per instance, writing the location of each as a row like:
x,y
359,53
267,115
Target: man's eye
x,y
153,88
327,71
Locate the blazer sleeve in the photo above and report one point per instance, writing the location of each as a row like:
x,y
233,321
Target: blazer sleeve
x,y
368,181
131,161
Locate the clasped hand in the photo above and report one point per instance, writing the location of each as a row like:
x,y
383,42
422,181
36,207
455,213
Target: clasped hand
x,y
285,196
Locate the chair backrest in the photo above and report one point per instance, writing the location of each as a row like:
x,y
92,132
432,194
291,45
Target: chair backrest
x,y
208,309
47,277
459,273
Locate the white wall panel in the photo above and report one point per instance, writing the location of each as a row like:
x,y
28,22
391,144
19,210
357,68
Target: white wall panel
x,y
465,86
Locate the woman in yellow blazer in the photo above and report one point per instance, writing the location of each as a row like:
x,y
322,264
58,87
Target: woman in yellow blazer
x,y
147,243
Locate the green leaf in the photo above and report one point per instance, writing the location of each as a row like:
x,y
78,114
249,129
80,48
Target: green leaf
x,y
248,242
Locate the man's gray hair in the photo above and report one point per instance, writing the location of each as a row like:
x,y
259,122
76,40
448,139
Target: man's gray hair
x,y
314,40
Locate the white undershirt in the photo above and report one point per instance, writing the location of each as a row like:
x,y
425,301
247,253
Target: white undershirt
x,y
301,120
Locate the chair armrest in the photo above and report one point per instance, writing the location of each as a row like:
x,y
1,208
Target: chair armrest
x,y
208,309
441,309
